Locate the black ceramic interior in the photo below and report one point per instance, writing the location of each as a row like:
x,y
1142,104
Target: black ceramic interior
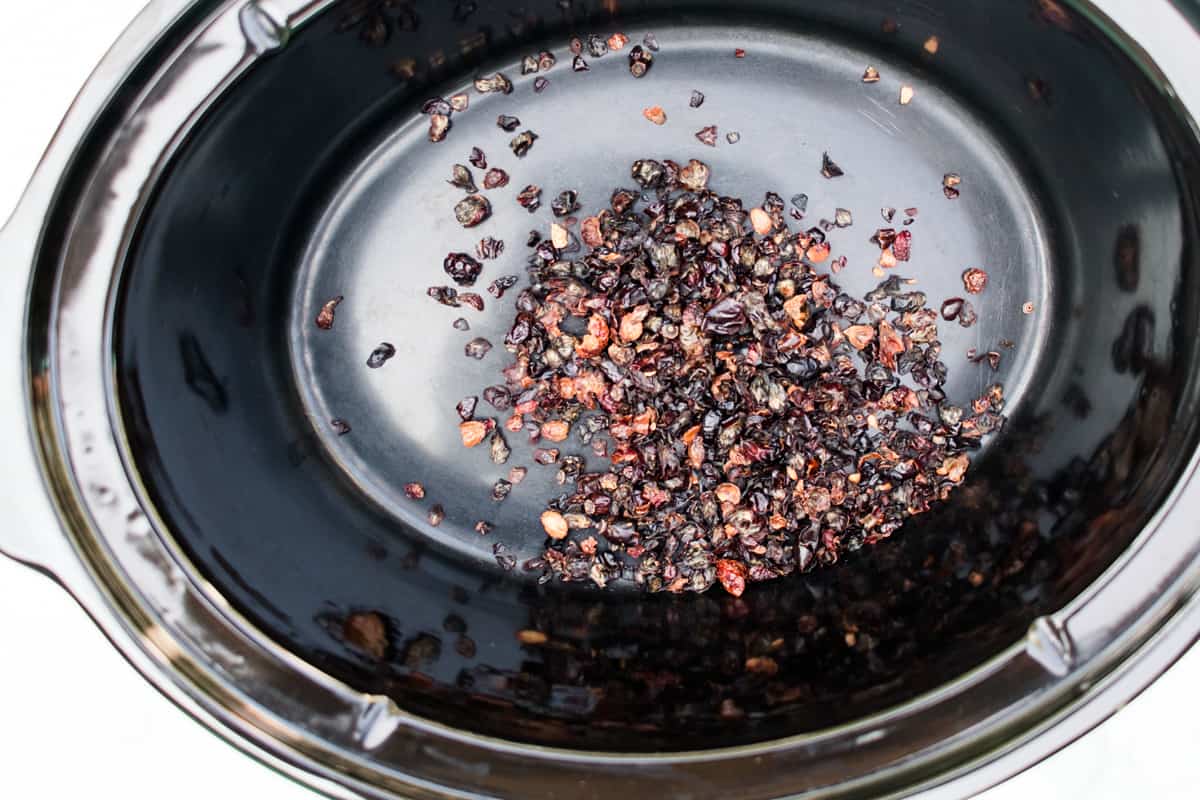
x,y
314,178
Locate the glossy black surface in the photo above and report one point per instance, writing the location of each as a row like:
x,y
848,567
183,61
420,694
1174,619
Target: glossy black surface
x,y
1077,195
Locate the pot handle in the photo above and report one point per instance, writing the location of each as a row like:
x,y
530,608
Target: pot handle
x,y
30,529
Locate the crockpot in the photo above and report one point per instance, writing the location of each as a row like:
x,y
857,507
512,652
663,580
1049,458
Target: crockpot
x,y
232,165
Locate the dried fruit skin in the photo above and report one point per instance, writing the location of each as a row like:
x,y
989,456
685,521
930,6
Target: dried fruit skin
x,y
472,432
732,575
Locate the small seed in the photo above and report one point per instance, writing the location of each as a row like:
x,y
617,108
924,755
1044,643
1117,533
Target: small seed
x,y
761,221
697,99
871,75
507,123
436,515
708,135
931,45
617,41
906,95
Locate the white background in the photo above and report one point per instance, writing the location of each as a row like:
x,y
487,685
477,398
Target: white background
x,y
76,721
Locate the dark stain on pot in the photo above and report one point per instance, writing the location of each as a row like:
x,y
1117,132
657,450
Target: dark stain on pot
x,y
199,377
1127,258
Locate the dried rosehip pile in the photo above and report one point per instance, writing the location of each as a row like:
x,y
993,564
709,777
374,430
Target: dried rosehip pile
x,y
748,418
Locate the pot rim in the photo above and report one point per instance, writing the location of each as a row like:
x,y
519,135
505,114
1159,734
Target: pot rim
x,y
68,470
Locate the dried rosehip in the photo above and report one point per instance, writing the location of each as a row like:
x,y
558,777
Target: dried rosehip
x,y
463,269
522,143
640,61
460,178
325,316
496,83
472,210
974,280
530,198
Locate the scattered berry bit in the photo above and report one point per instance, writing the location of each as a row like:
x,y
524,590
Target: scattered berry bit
x,y
931,45
495,83
655,114
555,525
325,315
739,53
522,143
829,167
472,432
414,491
477,348
708,135
495,178
439,126
974,280
472,210
617,41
